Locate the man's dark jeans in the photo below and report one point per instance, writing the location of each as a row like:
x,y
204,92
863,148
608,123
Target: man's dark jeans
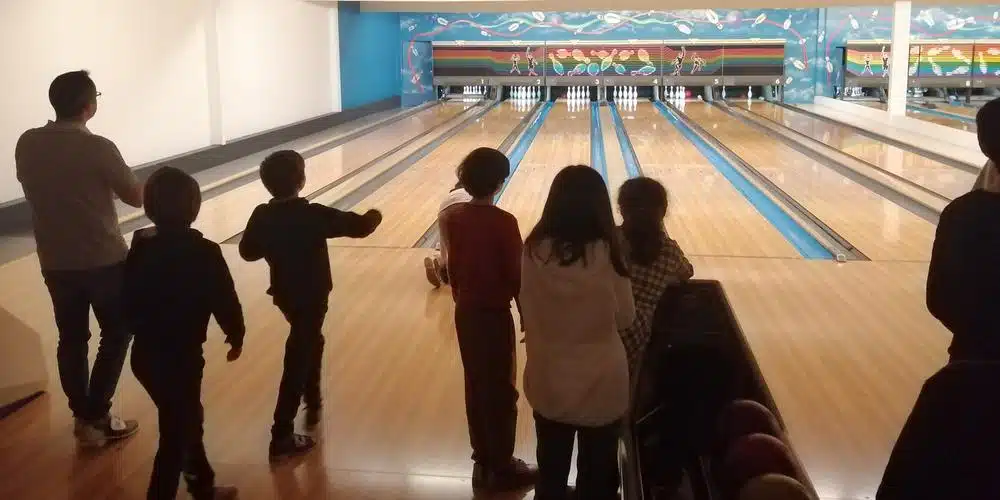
x,y
73,294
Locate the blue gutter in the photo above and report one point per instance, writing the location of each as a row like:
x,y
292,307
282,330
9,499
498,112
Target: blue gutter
x,y
806,244
597,159
628,152
517,154
945,114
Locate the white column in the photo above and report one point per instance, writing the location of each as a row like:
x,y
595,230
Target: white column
x,y
900,57
213,72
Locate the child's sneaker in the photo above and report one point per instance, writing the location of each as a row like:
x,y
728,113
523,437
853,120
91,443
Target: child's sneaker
x,y
291,446
313,417
441,271
515,476
98,433
431,272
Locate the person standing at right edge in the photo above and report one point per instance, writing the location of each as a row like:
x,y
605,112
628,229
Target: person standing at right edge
x,y
484,252
575,297
70,178
948,447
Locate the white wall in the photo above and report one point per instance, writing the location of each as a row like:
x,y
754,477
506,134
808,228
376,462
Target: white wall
x,y
274,63
174,75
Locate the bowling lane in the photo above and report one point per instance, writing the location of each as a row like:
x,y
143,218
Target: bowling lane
x,y
878,227
954,123
564,139
410,202
943,179
225,216
957,109
707,215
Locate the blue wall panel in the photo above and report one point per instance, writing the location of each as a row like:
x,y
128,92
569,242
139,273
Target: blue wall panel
x,y
369,55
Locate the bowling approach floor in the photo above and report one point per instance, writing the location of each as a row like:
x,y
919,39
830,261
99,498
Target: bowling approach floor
x,y
844,348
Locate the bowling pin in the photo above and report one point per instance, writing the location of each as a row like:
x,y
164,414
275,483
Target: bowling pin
x,y
749,93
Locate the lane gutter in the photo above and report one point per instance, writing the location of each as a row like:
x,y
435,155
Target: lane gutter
x,y
432,236
597,159
803,240
907,202
632,165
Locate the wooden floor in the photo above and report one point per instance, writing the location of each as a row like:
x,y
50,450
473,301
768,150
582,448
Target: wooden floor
x,y
844,348
878,227
945,180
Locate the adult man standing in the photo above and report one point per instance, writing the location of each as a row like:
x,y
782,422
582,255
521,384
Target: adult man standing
x,y
70,177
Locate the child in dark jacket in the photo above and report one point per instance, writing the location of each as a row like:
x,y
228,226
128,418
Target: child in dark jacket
x,y
175,280
290,233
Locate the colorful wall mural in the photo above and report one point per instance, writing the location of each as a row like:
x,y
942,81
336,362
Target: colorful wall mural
x,y
866,23
812,60
797,26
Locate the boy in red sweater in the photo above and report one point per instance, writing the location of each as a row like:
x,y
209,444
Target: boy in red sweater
x,y
484,267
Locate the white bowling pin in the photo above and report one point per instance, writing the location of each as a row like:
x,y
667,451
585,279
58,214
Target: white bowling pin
x,y
749,93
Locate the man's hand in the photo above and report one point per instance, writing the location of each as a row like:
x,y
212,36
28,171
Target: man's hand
x,y
234,354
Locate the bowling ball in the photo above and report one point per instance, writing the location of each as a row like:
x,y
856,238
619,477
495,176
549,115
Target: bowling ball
x,y
752,456
743,417
774,487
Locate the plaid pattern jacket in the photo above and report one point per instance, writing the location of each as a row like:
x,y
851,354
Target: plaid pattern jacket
x,y
648,284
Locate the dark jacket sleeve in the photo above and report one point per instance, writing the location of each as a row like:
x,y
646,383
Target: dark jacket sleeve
x,y
133,282
946,271
512,247
337,223
252,244
225,302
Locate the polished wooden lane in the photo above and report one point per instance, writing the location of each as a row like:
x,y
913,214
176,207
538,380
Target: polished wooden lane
x,y
878,227
707,215
564,139
957,109
410,202
844,349
613,158
955,123
225,216
943,179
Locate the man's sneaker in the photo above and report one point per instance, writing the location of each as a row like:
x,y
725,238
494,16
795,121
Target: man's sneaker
x,y
431,272
98,433
291,446
515,476
313,417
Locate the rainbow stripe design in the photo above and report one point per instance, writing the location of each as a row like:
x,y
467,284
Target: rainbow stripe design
x,y
711,60
603,60
942,60
986,61
867,60
489,61
754,60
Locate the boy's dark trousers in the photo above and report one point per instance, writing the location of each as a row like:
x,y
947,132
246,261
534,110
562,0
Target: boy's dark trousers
x,y
73,294
174,385
486,341
950,444
596,462
300,379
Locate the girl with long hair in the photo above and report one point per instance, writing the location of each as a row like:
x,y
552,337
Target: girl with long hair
x,y
655,261
575,296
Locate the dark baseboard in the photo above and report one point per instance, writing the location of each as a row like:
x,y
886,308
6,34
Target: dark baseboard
x,y
9,409
15,215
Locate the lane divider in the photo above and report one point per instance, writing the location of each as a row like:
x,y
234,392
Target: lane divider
x,y
522,146
597,159
632,166
804,242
